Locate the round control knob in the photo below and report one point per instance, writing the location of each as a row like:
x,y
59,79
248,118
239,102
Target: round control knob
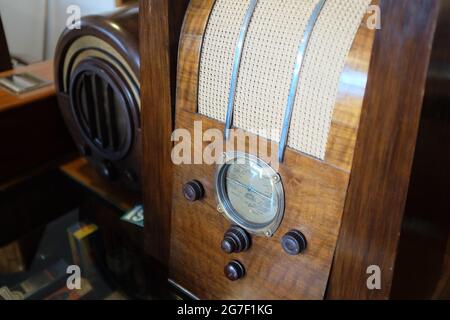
x,y
236,240
294,242
234,270
193,191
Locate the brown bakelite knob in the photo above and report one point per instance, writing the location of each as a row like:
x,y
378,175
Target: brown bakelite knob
x,y
193,191
236,240
294,242
234,270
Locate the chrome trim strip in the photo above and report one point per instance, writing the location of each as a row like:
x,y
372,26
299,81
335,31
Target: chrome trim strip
x,y
236,66
188,294
296,78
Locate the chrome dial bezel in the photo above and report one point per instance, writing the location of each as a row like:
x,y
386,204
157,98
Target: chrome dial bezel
x,y
224,204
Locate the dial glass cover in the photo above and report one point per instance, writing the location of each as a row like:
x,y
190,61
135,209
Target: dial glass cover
x,y
250,193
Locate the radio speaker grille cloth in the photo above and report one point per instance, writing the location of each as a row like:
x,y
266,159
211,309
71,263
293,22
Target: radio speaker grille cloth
x,y
267,66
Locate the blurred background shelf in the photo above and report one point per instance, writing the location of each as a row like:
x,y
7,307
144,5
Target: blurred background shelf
x,y
81,171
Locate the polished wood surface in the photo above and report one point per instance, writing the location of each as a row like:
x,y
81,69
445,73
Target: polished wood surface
x,y
81,171
197,261
349,102
315,193
420,265
44,70
160,23
384,152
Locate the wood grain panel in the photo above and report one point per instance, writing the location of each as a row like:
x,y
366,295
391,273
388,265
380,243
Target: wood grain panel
x,y
156,124
385,149
315,194
349,103
426,225
160,24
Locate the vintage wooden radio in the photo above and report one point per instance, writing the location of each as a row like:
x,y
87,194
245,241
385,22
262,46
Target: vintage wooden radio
x,y
293,76
97,77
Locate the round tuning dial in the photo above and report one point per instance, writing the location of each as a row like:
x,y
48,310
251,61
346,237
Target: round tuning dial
x,y
236,240
234,270
193,191
294,242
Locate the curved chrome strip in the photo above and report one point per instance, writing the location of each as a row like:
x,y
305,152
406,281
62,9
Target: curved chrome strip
x,y
184,291
237,64
296,77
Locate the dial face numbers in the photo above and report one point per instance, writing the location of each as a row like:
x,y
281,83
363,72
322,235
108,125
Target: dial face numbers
x,y
250,194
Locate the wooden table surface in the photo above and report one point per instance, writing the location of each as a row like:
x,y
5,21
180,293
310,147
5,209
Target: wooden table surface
x,y
43,70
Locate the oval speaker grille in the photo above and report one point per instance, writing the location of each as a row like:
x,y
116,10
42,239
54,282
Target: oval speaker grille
x,y
101,112
100,102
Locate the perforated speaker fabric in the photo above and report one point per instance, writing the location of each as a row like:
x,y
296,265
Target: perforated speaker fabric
x,y
267,66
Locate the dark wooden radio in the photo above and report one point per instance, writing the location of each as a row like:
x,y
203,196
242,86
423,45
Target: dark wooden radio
x,y
345,193
97,69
